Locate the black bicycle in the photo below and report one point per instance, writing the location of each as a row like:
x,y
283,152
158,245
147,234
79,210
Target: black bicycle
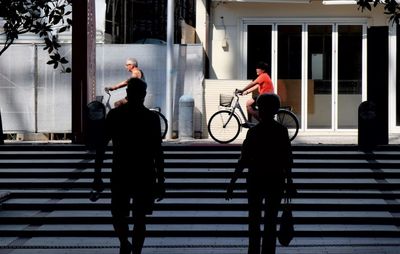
x,y
225,125
163,119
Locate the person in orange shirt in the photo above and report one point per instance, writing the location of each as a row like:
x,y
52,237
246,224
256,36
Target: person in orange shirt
x,y
264,84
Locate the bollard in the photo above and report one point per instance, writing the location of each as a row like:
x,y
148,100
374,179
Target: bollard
x,y
367,126
186,109
1,132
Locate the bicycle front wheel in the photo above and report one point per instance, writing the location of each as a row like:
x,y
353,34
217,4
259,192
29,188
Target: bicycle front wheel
x,y
163,123
289,120
223,126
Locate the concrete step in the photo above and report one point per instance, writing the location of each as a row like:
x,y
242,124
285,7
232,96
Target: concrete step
x,y
201,154
197,245
308,194
342,193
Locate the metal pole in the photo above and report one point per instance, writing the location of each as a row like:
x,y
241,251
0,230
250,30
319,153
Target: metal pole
x,y
35,84
170,67
1,131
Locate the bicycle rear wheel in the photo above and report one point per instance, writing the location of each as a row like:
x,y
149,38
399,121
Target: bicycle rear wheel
x,y
224,127
289,120
163,123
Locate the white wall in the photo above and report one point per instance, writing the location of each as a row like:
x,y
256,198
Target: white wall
x,y
36,98
225,62
212,89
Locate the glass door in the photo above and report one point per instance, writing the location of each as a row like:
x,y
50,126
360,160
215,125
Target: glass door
x,y
258,48
318,68
289,67
349,74
319,80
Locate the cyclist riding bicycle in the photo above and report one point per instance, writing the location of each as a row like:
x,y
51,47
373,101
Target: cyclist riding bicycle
x,y
131,66
264,84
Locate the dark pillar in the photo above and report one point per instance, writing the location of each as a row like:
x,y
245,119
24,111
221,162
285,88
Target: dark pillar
x,y
378,83
79,69
207,43
83,64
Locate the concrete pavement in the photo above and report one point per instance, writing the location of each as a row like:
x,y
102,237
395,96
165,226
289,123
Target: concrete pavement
x,y
314,138
201,246
301,139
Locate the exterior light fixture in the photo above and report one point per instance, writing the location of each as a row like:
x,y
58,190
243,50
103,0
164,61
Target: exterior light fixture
x,y
337,2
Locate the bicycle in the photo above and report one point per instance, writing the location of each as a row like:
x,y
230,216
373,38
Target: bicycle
x,y
225,125
157,110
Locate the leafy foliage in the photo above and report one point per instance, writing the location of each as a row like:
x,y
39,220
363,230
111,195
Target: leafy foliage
x,y
46,18
392,8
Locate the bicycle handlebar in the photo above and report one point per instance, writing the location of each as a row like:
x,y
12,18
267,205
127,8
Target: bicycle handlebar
x,y
107,90
238,92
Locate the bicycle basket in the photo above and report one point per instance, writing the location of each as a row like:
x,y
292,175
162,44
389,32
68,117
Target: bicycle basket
x,y
225,100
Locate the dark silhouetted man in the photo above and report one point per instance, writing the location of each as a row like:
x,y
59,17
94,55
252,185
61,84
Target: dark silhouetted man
x,y
267,154
137,177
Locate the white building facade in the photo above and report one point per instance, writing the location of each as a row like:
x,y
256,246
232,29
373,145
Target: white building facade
x,y
325,57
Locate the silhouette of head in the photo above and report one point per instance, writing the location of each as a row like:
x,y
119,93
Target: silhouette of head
x,y
136,90
268,105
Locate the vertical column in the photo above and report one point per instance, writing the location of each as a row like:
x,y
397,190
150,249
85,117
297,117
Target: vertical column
x,y
170,67
83,63
377,80
202,29
91,50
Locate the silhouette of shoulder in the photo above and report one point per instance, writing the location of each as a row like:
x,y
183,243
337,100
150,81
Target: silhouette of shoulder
x,y
266,145
134,127
271,130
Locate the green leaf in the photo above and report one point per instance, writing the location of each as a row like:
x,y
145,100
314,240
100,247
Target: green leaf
x,y
63,60
56,44
48,41
62,29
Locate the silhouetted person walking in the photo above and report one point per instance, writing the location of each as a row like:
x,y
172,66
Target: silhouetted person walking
x,y
137,177
267,154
